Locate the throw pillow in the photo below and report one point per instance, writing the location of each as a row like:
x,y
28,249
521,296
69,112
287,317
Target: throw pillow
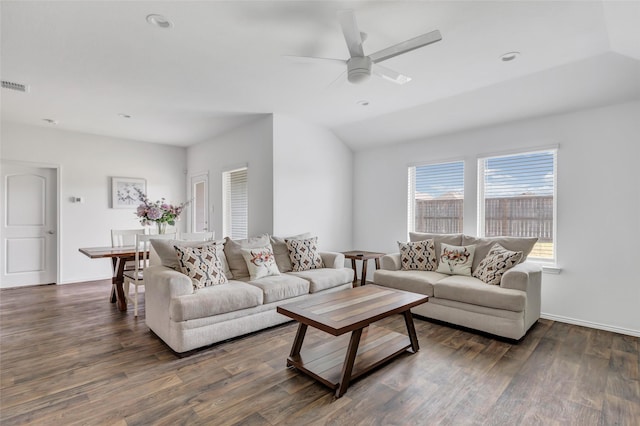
x,y
456,260
483,245
418,256
281,252
304,254
234,256
261,262
498,261
201,265
168,257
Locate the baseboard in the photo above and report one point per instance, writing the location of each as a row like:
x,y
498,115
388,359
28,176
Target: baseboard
x,y
620,330
85,279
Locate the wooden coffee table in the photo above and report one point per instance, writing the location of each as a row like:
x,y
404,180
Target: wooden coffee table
x,y
351,310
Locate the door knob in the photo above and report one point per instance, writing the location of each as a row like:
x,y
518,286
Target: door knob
x,y
51,232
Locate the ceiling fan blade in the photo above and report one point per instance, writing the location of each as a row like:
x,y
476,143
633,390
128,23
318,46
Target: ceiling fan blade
x,y
351,32
314,60
389,74
406,46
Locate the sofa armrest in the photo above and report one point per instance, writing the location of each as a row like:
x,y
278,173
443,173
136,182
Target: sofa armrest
x,y
166,282
390,262
332,259
522,277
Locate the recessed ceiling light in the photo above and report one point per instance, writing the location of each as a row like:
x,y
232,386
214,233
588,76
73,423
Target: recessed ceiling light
x,y
50,121
159,21
363,103
509,56
124,115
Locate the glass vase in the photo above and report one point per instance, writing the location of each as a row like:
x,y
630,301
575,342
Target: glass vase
x,y
162,227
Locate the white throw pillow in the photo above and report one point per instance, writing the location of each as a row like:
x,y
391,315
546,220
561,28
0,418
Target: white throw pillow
x,y
261,262
456,260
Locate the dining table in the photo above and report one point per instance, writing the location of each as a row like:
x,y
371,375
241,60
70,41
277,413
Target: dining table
x,y
119,257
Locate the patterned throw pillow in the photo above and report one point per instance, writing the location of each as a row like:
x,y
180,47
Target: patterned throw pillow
x,y
456,260
261,262
498,261
201,265
418,256
304,254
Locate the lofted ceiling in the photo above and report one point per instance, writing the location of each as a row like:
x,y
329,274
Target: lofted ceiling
x,y
222,64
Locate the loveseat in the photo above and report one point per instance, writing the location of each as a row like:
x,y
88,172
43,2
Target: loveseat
x,y
186,317
507,308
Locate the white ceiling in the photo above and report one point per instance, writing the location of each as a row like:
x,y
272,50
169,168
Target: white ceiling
x,y
222,65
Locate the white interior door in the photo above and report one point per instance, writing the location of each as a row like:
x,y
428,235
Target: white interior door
x,y
28,252
200,203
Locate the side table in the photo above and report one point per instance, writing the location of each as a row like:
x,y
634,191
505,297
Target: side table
x,y
364,256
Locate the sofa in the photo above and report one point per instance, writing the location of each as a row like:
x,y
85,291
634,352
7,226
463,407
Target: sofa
x,y
506,308
186,317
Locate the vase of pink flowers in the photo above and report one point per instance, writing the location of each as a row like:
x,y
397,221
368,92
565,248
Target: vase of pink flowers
x,y
159,212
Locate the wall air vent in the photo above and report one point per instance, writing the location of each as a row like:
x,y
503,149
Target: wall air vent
x,y
15,86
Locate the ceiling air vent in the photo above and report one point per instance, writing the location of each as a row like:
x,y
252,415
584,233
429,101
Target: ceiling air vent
x,y
15,86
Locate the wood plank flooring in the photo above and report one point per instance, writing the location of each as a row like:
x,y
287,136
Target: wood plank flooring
x,y
67,357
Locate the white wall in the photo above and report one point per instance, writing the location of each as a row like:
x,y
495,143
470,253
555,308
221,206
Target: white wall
x,y
598,204
312,183
250,145
87,162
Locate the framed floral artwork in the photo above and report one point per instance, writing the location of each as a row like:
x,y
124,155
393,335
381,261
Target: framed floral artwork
x,y
124,194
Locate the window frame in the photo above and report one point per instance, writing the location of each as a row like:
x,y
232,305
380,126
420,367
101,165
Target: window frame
x,y
411,189
227,216
481,161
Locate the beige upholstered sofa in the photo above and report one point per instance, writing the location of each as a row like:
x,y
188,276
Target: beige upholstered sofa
x,y
187,319
508,309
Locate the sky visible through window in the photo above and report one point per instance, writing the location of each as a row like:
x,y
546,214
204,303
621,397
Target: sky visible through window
x,y
525,174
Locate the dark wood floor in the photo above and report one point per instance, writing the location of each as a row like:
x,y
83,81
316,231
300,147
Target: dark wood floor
x,y
69,357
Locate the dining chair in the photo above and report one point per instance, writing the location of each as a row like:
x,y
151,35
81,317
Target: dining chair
x,y
123,238
197,236
136,276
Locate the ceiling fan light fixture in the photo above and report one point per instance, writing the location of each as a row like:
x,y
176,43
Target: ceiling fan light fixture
x,y
359,69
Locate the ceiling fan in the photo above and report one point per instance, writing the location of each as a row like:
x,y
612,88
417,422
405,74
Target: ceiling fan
x,y
359,66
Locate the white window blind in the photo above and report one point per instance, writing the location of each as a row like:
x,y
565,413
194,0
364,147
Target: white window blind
x,y
518,198
235,220
436,197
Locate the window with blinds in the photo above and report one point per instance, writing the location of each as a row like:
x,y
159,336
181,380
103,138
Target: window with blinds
x,y
235,202
517,197
436,197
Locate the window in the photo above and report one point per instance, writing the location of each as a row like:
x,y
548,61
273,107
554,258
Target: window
x,y
235,203
517,197
436,196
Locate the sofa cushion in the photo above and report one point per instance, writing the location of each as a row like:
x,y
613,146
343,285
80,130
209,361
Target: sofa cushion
x,y
260,262
414,281
165,249
455,260
438,239
202,265
232,250
281,251
496,263
483,245
285,286
418,256
471,290
215,300
323,278
304,254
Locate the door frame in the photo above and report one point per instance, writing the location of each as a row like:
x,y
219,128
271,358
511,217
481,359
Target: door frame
x,y
57,172
204,177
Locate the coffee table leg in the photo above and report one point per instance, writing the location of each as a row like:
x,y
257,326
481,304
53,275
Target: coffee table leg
x,y
347,368
411,330
297,342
